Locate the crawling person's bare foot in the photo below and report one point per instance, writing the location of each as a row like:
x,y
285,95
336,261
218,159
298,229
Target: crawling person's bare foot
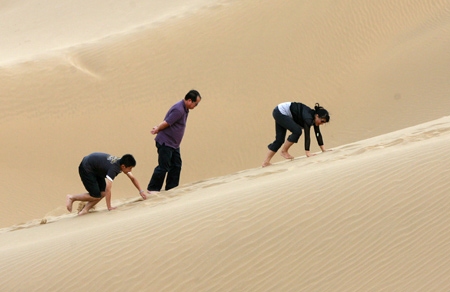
x,y
82,212
69,203
266,164
286,155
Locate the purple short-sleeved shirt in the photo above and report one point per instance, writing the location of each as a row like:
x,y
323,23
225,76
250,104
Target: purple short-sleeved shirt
x,y
176,117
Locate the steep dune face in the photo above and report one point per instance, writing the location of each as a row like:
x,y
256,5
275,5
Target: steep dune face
x,y
371,215
377,67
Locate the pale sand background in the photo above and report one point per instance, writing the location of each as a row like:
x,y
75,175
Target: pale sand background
x,y
371,215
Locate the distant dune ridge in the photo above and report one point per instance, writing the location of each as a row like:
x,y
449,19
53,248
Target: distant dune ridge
x,y
371,215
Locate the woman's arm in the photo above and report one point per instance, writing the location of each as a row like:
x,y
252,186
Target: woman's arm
x,y
319,138
307,139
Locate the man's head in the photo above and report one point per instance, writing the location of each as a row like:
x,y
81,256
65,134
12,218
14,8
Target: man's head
x,y
192,99
127,162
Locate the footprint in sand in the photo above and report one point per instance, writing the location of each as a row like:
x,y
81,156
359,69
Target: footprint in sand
x,y
265,174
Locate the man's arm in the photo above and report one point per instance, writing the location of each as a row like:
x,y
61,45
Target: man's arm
x,y
160,127
136,184
108,194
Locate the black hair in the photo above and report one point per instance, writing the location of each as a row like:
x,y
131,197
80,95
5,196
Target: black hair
x,y
127,160
192,95
321,112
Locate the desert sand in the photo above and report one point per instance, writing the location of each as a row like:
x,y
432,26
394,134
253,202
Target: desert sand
x,y
371,215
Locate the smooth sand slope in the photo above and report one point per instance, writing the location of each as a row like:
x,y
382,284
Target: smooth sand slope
x,y
369,216
377,66
83,76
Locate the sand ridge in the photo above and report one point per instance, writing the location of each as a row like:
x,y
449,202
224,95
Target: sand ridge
x,y
345,220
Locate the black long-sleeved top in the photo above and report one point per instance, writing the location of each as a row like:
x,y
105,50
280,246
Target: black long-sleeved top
x,y
304,116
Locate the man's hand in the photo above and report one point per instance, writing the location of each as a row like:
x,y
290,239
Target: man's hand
x,y
160,127
155,130
143,195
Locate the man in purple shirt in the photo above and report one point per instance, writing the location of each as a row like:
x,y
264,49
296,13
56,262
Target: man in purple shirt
x,y
168,139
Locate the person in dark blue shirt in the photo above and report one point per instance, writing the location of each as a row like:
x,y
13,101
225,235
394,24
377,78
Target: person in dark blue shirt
x,y
97,172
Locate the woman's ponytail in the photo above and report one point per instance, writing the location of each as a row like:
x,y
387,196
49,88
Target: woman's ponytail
x,y
321,112
317,107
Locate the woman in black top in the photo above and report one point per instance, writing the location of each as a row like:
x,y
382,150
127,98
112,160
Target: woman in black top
x,y
294,116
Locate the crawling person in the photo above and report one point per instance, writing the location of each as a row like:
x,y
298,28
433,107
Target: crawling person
x,y
296,117
97,172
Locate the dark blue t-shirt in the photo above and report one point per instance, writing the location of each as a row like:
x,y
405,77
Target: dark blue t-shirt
x,y
102,165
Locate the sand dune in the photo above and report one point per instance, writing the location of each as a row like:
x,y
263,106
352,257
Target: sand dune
x,y
377,67
83,76
369,216
35,29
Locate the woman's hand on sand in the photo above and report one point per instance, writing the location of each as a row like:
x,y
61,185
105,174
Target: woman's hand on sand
x,y
111,208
